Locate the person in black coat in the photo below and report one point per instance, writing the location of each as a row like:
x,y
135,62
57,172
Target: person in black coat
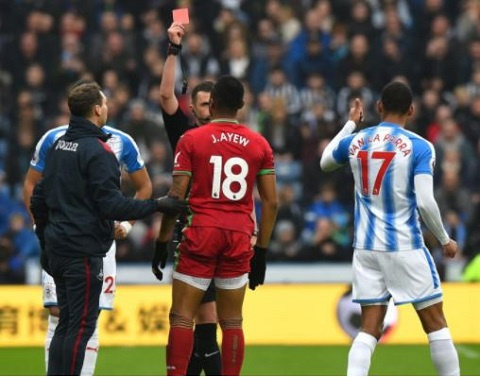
x,y
74,207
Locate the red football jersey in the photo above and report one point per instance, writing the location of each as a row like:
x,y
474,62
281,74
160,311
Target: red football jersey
x,y
223,158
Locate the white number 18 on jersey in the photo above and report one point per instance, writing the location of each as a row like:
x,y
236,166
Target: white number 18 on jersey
x,y
230,178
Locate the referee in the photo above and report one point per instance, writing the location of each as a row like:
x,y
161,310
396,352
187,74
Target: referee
x,y
74,206
206,354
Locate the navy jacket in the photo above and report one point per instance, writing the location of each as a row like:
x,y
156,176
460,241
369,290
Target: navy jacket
x,y
80,194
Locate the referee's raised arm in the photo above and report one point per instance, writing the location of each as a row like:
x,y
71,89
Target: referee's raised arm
x,y
168,100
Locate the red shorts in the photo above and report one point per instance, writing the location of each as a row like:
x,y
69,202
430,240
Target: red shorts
x,y
206,252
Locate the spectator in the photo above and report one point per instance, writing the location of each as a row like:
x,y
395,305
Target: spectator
x,y
317,91
358,59
315,61
280,131
452,197
23,239
11,267
237,62
451,140
361,19
197,59
356,86
327,227
143,130
285,246
392,63
470,123
279,87
262,66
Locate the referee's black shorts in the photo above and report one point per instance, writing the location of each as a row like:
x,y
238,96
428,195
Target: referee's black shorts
x,y
210,294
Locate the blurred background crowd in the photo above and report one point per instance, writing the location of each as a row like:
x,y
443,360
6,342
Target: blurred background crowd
x,y
302,62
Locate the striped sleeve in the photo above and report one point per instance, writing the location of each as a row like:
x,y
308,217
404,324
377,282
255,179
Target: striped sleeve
x,y
130,157
341,152
423,157
38,159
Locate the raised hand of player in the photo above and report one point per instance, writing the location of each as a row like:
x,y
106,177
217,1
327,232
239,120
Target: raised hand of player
x,y
258,267
159,258
356,111
450,249
176,32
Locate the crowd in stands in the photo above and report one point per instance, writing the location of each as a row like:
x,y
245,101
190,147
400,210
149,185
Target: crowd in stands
x,y
302,62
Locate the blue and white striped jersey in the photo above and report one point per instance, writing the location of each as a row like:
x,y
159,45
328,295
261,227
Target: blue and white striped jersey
x,y
122,144
384,160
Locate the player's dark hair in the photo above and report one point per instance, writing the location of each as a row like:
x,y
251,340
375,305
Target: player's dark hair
x,y
228,93
205,86
83,96
396,98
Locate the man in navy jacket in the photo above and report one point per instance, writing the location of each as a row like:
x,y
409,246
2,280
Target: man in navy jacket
x,y
74,206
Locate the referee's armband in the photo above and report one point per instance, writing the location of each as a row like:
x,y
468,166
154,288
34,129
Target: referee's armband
x,y
173,48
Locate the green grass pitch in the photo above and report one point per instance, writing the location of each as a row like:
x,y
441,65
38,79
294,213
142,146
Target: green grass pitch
x,y
259,360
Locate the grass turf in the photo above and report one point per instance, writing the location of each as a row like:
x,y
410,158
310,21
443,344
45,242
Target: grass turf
x,y
259,360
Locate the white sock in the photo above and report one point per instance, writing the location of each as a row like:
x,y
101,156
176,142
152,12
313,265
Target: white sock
x,y
443,353
91,354
360,354
52,325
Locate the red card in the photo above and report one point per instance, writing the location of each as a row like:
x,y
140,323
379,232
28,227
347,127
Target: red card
x,y
181,16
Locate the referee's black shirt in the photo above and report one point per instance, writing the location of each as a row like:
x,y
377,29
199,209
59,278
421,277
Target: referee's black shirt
x,y
176,125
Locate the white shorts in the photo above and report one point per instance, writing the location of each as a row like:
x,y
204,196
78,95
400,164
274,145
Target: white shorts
x,y
109,283
406,276
221,283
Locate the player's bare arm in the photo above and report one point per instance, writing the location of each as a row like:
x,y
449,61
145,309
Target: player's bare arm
x,y
168,100
178,190
143,190
268,195
141,183
31,180
328,162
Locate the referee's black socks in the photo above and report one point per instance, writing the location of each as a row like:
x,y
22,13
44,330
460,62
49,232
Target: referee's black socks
x,y
206,354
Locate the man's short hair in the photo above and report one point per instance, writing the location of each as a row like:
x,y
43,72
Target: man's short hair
x,y
83,96
228,93
205,86
396,98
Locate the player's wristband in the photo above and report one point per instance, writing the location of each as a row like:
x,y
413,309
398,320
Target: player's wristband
x,y
127,226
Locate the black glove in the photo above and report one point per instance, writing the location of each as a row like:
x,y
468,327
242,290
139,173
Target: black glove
x,y
171,206
159,257
258,266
